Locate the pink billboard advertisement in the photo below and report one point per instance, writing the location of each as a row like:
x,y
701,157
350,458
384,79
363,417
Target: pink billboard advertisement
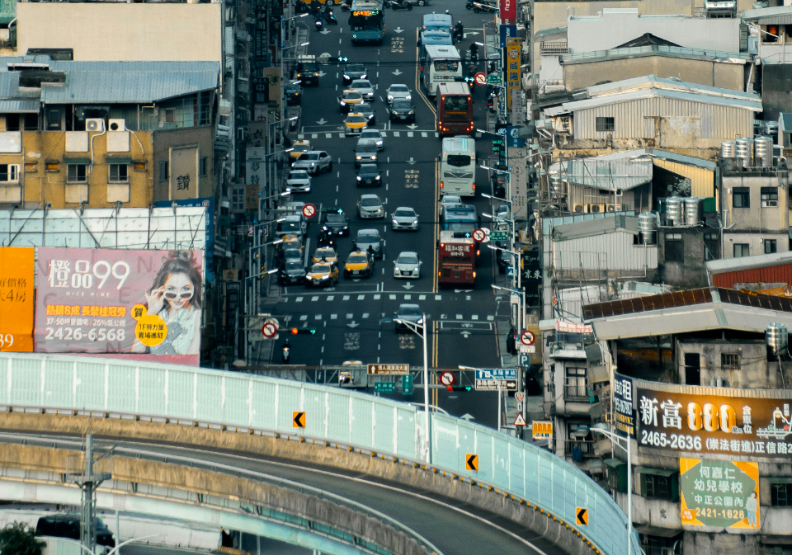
x,y
123,303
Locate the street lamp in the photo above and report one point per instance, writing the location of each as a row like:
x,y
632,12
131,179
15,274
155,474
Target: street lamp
x,y
617,440
498,383
117,548
520,320
491,197
415,327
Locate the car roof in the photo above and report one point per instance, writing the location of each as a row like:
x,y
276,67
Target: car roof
x,y
369,196
408,253
371,131
399,85
361,81
368,232
369,167
351,91
410,306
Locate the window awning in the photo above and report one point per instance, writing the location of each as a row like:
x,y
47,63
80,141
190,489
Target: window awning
x,y
614,463
657,471
118,160
76,160
658,531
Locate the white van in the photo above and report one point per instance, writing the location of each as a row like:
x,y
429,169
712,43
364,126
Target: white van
x,y
458,167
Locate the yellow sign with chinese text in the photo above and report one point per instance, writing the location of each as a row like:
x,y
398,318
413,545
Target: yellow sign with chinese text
x,y
17,270
719,493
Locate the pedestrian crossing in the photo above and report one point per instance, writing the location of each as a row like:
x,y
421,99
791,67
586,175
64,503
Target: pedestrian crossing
x,y
370,297
445,317
341,135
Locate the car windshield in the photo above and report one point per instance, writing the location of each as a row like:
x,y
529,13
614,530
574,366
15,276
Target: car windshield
x,y
301,148
451,200
409,310
292,253
357,258
355,68
364,108
368,235
370,202
361,84
404,213
356,119
461,227
367,147
309,156
399,89
298,175
371,134
352,96
325,253
402,105
335,218
320,269
293,265
368,169
290,226
407,258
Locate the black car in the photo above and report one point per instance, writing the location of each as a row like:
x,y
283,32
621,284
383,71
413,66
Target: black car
x,y
336,223
292,271
354,71
365,152
411,313
499,183
504,259
368,175
367,110
402,110
290,254
293,94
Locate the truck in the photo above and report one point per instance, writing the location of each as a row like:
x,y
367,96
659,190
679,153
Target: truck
x,y
454,109
307,70
456,258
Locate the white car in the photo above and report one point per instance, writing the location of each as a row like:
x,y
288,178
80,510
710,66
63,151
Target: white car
x,y
373,135
370,206
364,87
313,162
298,181
405,217
398,91
446,200
407,266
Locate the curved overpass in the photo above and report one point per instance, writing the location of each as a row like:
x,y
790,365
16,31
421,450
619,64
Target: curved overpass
x,y
514,480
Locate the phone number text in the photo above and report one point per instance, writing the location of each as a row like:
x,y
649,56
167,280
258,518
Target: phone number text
x,y
78,334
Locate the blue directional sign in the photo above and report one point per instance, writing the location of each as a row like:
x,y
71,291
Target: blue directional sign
x,y
510,271
496,374
512,137
524,360
507,32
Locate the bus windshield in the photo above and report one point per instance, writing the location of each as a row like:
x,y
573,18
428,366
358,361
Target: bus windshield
x,y
455,103
446,65
366,20
458,160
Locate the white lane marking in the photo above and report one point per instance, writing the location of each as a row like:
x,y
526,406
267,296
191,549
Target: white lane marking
x,y
365,315
314,298
303,318
438,297
378,297
392,297
330,297
458,316
323,348
396,134
490,318
410,133
298,300
424,134
421,297
328,135
349,316
407,297
334,316
345,298
318,317
314,135
474,317
361,297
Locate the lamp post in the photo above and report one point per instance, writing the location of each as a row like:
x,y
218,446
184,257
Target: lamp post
x,y
617,440
415,327
117,549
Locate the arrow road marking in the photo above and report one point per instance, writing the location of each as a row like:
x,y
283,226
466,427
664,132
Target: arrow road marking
x,y
398,30
322,74
397,72
467,417
471,33
352,324
465,334
412,126
408,286
321,121
324,32
411,161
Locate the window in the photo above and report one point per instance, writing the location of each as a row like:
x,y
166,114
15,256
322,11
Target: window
x,y
674,247
769,197
770,246
576,383
119,173
711,245
740,250
730,361
163,173
659,484
9,173
741,197
203,166
78,173
780,495
170,115
606,124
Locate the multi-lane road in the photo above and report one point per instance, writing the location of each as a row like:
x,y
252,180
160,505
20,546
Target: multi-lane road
x,y
462,323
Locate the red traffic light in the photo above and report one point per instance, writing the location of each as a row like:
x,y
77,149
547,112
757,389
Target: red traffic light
x,y
295,331
449,388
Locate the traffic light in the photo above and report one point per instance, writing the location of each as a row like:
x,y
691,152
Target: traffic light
x,y
338,59
498,146
460,388
311,331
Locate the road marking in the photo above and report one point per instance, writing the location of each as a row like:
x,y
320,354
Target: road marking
x,y
318,317
349,316
410,133
328,135
377,297
330,297
361,297
314,135
314,299
474,317
392,297
438,297
458,316
298,300
424,134
490,318
421,297
407,297
303,318
396,134
334,316
345,298
365,315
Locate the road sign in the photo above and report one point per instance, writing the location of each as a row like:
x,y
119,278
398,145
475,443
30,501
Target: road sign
x,y
447,378
407,385
520,396
523,359
507,32
492,385
298,419
384,387
481,79
513,138
519,421
527,349
388,369
581,516
309,210
494,79
471,462
527,337
499,235
479,235
496,374
542,429
269,329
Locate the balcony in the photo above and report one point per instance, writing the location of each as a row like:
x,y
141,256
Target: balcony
x,y
586,448
556,48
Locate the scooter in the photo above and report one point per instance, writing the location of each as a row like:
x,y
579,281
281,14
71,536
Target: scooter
x,y
318,24
486,8
286,353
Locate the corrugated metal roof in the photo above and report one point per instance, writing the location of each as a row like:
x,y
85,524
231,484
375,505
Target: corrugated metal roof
x,y
619,223
20,106
765,13
133,86
748,262
655,50
549,223
653,82
552,31
132,67
608,174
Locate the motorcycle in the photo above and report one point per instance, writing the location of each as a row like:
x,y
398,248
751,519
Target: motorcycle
x,y
328,16
478,7
286,353
318,24
398,5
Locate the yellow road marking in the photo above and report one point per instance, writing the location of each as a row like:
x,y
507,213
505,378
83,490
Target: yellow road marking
x,y
435,279
417,73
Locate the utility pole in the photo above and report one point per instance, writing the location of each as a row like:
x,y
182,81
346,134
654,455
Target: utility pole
x,y
89,482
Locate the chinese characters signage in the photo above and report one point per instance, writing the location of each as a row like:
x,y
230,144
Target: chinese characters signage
x,y
740,426
17,266
623,406
719,493
573,327
183,173
508,11
143,303
512,63
542,429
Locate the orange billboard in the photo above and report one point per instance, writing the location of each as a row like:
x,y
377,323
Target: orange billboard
x,y
17,267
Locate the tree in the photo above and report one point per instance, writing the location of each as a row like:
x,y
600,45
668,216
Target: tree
x,y
20,539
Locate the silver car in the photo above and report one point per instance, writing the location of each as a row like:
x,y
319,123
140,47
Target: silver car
x,y
368,239
364,87
313,162
407,266
370,207
373,135
446,200
405,218
398,91
298,181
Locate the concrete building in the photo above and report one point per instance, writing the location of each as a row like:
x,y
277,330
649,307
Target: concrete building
x,y
765,273
102,134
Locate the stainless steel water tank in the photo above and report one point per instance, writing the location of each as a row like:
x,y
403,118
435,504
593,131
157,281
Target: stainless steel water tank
x,y
675,211
728,149
647,224
745,151
763,151
693,210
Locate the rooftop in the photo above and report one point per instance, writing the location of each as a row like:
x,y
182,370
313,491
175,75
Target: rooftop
x,y
592,228
549,223
606,173
777,15
749,262
656,50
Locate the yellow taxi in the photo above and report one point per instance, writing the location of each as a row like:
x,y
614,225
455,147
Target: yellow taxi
x,y
325,254
299,147
359,264
323,274
355,123
348,99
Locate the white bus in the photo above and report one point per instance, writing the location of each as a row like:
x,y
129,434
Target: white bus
x,y
458,167
442,65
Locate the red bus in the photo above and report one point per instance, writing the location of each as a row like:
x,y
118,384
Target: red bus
x,y
456,258
454,109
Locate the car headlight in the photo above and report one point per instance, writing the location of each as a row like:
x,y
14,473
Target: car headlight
x,y
343,103
325,276
316,75
420,320
410,112
415,222
359,178
408,97
357,157
377,178
390,97
395,221
324,227
346,76
379,143
379,210
416,269
364,76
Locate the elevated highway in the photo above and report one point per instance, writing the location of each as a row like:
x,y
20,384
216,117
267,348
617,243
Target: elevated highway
x,y
361,448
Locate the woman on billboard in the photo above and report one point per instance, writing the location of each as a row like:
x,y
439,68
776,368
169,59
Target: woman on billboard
x,y
175,296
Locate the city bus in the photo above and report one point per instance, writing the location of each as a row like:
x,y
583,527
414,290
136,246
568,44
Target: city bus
x,y
433,36
454,109
367,21
458,167
443,65
456,259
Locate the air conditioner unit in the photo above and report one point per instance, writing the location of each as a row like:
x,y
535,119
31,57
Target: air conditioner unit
x,y
614,207
596,208
117,125
94,124
579,208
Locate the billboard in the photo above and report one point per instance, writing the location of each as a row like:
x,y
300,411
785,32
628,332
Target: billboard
x,y
623,406
719,493
507,12
698,423
17,270
141,303
512,69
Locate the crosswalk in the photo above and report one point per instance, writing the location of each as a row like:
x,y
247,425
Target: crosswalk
x,y
369,297
341,135
445,317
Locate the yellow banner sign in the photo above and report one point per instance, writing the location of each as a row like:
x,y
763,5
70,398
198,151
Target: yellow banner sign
x,y
17,267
